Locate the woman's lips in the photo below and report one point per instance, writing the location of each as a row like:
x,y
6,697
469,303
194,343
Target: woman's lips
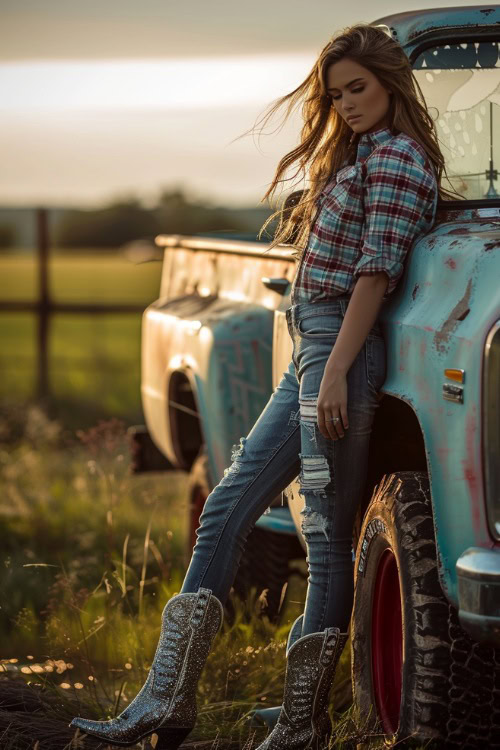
x,y
354,117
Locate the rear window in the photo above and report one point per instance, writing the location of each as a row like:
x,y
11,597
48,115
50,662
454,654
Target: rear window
x,y
461,85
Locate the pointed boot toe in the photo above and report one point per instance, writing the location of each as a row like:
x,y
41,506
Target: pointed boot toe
x,y
111,732
88,726
117,731
166,703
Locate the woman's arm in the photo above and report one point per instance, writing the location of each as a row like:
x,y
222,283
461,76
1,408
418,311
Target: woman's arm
x,y
399,196
361,314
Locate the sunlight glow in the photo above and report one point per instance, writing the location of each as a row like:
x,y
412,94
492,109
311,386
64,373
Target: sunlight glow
x,y
172,84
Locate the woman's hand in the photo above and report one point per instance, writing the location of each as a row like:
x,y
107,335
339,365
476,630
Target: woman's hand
x,y
332,402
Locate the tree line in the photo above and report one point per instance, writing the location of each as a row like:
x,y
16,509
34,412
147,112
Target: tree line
x,y
127,220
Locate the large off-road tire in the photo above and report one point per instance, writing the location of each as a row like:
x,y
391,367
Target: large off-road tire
x,y
265,561
416,673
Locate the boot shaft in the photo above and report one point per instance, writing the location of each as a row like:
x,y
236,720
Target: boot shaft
x,y
166,703
311,665
189,624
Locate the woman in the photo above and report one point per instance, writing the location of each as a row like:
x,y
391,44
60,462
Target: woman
x,y
374,166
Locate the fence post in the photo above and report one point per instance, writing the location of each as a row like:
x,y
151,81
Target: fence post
x,y
43,303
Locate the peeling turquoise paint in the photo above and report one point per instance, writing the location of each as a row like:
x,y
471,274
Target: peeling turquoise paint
x,y
414,28
439,318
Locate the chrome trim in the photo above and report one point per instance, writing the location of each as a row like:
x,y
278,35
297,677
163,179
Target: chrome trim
x,y
458,369
211,245
478,574
453,393
480,564
488,212
490,454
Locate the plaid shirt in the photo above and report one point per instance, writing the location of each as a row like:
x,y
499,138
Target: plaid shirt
x,y
369,215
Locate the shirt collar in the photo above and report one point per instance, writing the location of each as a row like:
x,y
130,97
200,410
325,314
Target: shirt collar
x,y
368,141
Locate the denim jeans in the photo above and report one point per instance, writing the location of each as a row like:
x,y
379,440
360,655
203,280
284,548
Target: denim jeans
x,y
285,442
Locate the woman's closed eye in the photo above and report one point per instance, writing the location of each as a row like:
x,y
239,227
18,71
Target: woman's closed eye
x,y
354,91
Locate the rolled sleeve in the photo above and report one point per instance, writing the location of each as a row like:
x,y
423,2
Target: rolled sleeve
x,y
399,196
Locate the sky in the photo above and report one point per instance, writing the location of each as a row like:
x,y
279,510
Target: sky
x,y
116,98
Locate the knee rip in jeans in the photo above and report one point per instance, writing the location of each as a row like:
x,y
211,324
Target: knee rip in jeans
x,y
236,453
315,475
314,521
309,415
237,449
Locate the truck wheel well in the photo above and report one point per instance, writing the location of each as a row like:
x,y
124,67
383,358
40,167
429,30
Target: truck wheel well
x,y
396,443
184,421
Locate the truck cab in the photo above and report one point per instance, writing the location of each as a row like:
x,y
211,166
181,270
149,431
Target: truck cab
x,y
425,630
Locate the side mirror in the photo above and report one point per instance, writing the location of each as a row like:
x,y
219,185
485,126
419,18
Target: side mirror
x,y
276,285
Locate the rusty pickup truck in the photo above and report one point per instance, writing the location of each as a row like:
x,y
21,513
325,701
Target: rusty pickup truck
x,y
425,630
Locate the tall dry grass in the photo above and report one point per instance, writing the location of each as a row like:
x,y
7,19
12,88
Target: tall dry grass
x,y
90,555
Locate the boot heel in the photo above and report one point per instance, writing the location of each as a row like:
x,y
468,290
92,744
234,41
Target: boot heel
x,y
169,738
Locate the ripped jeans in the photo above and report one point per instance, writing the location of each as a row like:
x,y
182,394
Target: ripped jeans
x,y
284,442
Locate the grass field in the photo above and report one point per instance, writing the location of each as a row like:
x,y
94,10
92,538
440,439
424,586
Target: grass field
x,y
80,276
94,359
90,555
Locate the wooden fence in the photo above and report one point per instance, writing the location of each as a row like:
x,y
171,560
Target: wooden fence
x,y
44,306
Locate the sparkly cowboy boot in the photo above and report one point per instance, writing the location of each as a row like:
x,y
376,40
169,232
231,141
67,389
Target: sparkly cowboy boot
x,y
304,721
166,703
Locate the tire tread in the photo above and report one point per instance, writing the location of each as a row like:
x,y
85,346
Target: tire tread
x,y
454,683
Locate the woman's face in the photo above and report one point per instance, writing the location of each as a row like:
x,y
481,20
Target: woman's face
x,y
354,90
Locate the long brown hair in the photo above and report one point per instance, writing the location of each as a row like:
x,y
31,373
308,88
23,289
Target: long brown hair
x,y
327,142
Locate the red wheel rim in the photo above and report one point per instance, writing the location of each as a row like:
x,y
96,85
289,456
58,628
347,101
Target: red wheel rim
x,y
387,642
198,498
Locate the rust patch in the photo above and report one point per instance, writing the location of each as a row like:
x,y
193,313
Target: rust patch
x,y
472,473
459,312
415,34
404,348
492,245
451,263
459,230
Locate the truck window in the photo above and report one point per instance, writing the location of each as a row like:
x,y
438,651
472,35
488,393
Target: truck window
x,y
462,82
